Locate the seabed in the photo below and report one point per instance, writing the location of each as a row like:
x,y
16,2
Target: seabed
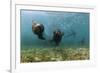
x,y
54,54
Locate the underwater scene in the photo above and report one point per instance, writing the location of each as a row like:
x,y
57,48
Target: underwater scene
x,y
54,36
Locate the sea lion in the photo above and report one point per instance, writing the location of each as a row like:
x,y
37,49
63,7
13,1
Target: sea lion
x,y
57,37
38,29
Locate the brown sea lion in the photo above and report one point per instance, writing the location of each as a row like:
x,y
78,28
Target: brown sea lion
x,y
38,29
57,37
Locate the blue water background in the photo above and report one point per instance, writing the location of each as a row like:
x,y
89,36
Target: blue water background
x,y
52,20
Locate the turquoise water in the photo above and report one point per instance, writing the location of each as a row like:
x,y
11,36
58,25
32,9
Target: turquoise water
x,y
65,21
